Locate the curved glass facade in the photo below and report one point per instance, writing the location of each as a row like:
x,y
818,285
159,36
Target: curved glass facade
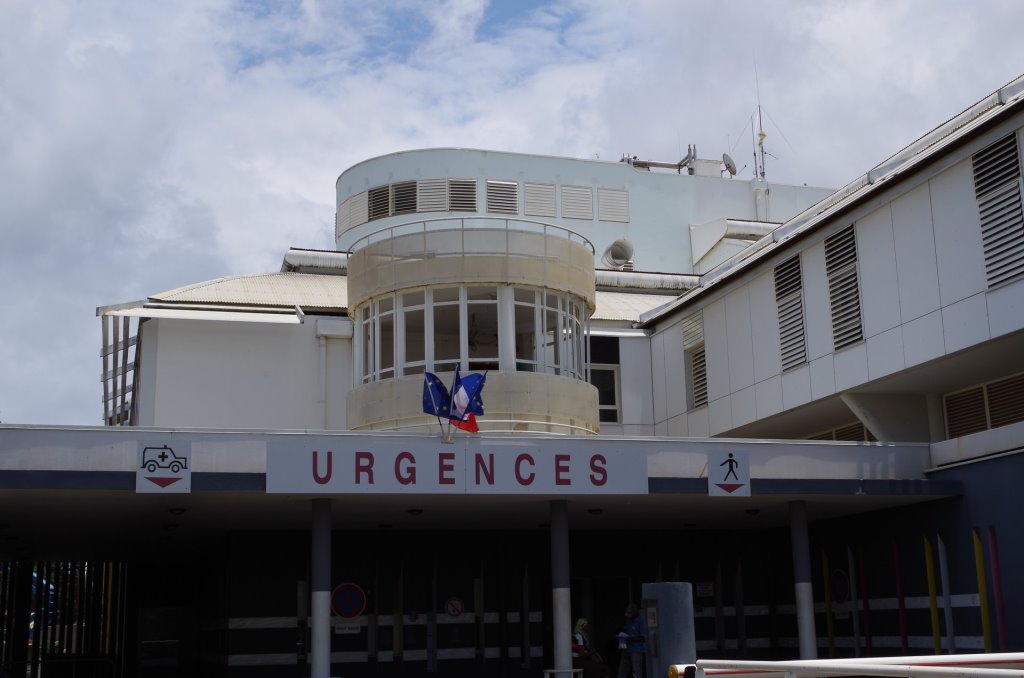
x,y
495,327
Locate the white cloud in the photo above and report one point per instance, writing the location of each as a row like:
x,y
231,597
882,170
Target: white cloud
x,y
150,145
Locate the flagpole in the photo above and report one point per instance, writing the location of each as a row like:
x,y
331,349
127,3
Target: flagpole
x,y
448,436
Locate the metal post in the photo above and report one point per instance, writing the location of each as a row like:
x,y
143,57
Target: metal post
x,y
561,614
802,580
320,642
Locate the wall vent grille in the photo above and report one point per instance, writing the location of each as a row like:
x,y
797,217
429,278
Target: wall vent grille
x,y
997,187
577,202
843,289
790,301
502,197
404,197
613,205
980,408
432,195
539,199
461,195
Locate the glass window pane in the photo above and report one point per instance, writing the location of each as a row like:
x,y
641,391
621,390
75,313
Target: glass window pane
x,y
525,296
604,380
412,299
446,332
526,348
446,294
414,339
387,341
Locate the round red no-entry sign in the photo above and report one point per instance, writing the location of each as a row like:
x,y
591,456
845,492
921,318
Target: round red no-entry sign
x,y
348,600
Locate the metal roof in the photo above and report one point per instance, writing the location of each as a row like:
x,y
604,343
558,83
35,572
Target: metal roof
x,y
627,306
306,290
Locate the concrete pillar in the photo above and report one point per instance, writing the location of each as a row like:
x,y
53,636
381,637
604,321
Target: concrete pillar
x,y
320,642
802,580
561,611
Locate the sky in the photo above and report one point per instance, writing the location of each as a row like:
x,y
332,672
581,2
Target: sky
x,y
149,145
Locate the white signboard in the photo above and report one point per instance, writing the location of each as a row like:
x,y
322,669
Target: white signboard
x,y
728,474
164,468
376,465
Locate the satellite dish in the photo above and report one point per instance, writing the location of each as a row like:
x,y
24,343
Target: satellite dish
x,y
730,164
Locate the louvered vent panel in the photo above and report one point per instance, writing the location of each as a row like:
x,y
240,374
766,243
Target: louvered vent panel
x,y
693,331
869,436
997,187
996,165
852,432
843,291
700,377
577,202
461,195
502,197
342,218
404,196
539,199
432,195
789,298
358,209
965,412
379,202
1006,401
827,435
612,205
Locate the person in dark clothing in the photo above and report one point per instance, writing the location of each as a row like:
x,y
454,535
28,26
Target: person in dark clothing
x,y
632,641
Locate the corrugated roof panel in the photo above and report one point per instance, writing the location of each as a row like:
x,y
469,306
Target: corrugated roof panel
x,y
626,306
265,289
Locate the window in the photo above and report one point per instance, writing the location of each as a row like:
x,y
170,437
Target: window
x,y
694,361
997,187
604,375
577,202
843,289
790,302
437,329
502,197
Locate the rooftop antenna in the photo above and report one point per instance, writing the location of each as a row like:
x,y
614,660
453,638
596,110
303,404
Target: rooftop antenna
x,y
760,127
730,164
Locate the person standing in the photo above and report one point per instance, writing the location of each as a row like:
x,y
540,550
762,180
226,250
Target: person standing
x,y
584,656
634,638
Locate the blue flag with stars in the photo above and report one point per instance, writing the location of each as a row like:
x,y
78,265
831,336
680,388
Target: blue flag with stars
x,y
436,400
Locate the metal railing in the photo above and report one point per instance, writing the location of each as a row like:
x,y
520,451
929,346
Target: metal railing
x,y
995,665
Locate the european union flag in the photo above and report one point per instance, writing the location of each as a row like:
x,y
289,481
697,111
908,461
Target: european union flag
x,y
436,400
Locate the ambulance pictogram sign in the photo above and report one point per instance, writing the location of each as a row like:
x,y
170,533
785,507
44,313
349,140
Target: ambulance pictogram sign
x,y
728,474
163,468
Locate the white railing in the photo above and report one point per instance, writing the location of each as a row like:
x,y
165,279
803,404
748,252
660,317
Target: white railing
x,y
1001,665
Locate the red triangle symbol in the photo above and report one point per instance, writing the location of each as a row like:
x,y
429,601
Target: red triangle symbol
x,y
730,487
164,482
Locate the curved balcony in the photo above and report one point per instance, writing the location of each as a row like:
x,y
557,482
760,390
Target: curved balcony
x,y
514,402
470,250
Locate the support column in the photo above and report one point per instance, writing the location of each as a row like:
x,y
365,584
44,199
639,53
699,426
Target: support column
x,y
802,580
561,612
320,643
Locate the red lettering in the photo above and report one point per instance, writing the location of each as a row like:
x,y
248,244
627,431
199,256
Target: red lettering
x,y
486,467
406,476
520,478
326,478
561,468
598,472
445,467
364,465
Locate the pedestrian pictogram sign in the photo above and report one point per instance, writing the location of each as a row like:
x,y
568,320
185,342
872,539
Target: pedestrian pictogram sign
x,y
348,600
728,474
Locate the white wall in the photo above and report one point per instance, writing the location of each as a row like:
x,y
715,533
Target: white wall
x,y
241,375
923,296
